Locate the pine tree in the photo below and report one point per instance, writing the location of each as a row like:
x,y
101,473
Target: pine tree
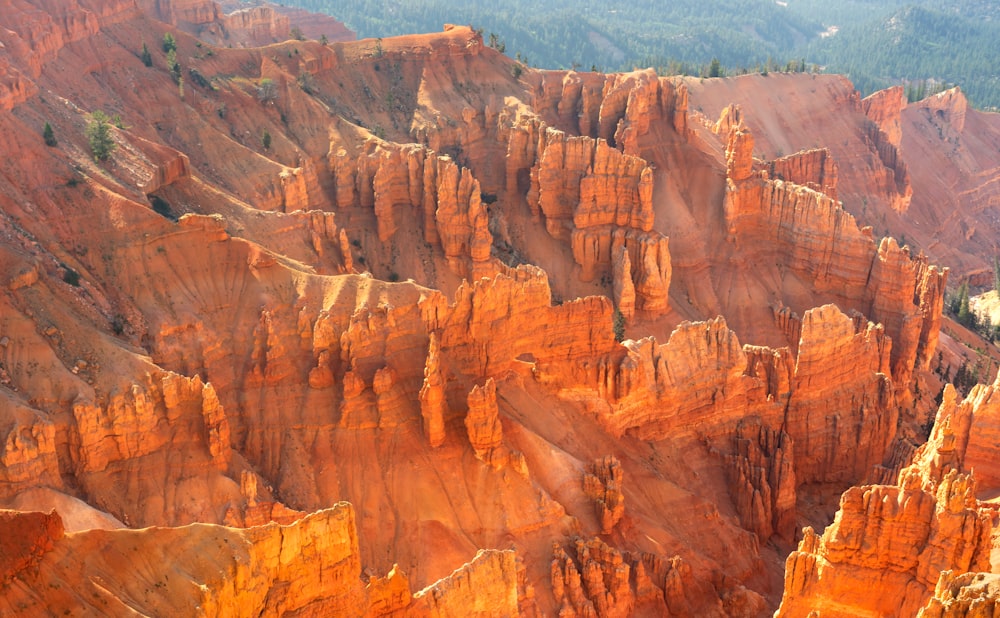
x,y
48,135
965,317
715,69
147,58
99,136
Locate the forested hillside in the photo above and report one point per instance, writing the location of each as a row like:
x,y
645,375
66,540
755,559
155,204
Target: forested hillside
x,y
877,43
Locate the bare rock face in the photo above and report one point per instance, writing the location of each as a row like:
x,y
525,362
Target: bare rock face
x,y
951,105
432,395
408,183
699,361
624,288
494,321
969,595
192,12
902,535
311,566
929,292
27,538
814,235
814,168
884,108
487,585
603,484
842,397
739,154
231,366
763,480
482,421
897,176
581,182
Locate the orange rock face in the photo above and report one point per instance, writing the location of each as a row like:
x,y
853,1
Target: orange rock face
x,y
390,282
903,536
962,596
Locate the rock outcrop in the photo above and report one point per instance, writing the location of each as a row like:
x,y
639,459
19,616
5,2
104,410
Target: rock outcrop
x,y
902,536
884,108
390,281
482,422
969,595
763,480
841,416
410,184
816,238
603,484
312,566
814,168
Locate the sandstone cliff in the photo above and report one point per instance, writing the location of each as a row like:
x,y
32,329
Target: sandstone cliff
x,y
403,297
903,536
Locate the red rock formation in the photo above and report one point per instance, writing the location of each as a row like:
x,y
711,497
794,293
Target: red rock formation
x,y
763,480
188,12
395,181
950,106
816,237
624,288
884,108
969,595
482,421
603,484
814,168
257,25
433,406
841,416
739,154
487,585
494,321
228,367
698,362
578,183
932,281
902,536
27,538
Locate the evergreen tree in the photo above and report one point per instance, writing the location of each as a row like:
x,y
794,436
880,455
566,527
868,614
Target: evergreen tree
x,y
99,136
715,68
48,135
169,43
147,58
965,317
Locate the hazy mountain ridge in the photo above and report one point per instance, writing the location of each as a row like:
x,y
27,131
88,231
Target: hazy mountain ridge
x,y
951,42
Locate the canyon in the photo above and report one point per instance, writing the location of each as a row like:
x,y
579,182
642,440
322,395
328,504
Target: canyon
x,y
403,327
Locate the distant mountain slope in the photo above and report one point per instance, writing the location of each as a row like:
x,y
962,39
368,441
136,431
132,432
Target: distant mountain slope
x,y
878,43
916,43
560,34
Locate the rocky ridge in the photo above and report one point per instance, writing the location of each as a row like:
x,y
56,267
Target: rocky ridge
x,y
404,298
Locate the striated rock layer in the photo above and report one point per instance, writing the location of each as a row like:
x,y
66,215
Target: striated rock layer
x,y
905,536
385,272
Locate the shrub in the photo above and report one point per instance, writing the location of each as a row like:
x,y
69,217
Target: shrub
x,y
265,139
147,58
618,325
267,91
70,276
169,43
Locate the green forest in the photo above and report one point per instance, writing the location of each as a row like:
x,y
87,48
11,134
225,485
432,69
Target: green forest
x,y
877,43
